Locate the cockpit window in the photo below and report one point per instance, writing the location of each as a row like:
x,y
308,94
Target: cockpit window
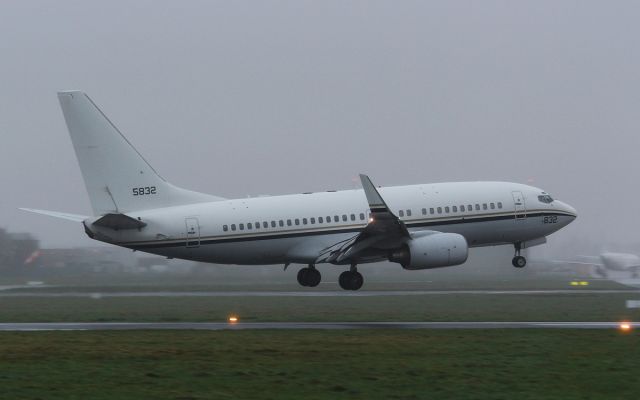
x,y
545,198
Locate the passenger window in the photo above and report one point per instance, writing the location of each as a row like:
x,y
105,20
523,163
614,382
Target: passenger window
x,y
265,224
469,208
499,204
344,217
249,225
281,223
233,227
304,221
454,208
312,220
424,211
353,217
241,226
288,222
401,213
361,216
408,213
257,225
273,224
431,211
484,206
439,210
462,208
225,228
492,205
297,221
336,218
320,220
446,209
477,207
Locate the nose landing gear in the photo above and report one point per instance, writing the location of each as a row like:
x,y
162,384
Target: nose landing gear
x,y
518,261
309,276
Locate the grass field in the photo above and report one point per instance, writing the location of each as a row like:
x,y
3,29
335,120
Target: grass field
x,y
361,364
451,307
304,364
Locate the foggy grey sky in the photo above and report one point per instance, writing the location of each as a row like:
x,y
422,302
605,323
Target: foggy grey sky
x,y
272,97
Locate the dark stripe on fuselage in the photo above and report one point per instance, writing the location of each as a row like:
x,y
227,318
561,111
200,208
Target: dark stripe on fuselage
x,y
408,224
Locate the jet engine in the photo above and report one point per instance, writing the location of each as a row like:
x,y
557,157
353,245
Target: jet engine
x,y
432,251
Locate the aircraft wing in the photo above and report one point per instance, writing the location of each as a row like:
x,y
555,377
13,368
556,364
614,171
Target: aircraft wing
x,y
384,231
574,262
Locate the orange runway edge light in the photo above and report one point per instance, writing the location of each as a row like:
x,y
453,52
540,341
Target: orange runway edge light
x,y
625,326
232,319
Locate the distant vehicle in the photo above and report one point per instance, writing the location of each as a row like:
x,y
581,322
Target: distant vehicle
x,y
419,226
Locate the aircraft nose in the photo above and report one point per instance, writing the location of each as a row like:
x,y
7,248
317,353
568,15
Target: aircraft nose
x,y
568,209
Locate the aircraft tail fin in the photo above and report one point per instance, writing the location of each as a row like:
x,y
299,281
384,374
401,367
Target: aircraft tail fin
x,y
118,179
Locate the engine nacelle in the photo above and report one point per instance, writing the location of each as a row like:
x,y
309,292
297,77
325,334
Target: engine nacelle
x,y
432,251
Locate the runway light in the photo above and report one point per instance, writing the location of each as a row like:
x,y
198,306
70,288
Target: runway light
x,y
371,219
233,319
625,326
579,283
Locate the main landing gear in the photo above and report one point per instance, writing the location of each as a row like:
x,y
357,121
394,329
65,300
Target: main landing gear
x,y
349,280
309,276
352,279
518,260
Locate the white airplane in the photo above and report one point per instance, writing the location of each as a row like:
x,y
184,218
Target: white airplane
x,y
419,226
608,263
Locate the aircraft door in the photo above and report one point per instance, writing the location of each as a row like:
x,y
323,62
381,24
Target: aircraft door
x,y
193,232
520,206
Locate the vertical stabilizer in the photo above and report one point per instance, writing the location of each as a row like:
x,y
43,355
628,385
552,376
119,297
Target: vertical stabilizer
x,y
116,176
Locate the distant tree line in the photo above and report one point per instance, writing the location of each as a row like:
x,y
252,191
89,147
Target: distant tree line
x,y
16,250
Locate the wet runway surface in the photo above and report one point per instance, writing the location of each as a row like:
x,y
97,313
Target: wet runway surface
x,y
214,326
326,293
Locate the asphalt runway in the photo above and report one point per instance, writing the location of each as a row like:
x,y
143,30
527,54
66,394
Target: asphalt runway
x,y
317,293
217,326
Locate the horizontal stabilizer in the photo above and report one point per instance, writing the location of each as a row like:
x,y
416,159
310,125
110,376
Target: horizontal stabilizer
x,y
119,221
56,214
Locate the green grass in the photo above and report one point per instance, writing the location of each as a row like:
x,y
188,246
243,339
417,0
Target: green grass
x,y
360,364
456,307
141,284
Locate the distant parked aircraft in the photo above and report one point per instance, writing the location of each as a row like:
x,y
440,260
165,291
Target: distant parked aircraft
x,y
607,262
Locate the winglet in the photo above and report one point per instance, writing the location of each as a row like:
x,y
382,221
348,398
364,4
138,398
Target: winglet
x,y
376,203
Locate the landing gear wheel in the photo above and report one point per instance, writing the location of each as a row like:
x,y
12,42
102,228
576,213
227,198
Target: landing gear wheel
x,y
351,280
302,276
356,280
343,280
309,277
519,261
313,277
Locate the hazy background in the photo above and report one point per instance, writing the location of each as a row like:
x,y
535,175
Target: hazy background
x,y
272,97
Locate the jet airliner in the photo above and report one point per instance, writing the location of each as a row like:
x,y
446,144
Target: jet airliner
x,y
419,226
608,263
